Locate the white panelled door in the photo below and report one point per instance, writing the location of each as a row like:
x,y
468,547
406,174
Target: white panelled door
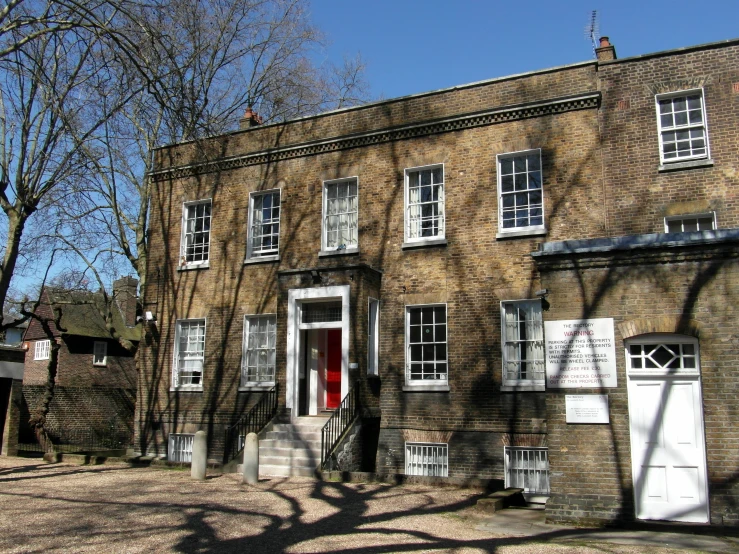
x,y
666,423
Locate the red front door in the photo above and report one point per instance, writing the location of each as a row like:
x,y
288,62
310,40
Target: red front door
x,y
333,369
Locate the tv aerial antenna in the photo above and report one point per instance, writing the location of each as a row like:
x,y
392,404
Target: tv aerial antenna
x,y
591,30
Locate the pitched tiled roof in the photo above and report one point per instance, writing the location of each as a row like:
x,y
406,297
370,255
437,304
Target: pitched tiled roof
x,y
81,314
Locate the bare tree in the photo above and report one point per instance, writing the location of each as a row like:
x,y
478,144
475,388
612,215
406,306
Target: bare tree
x,y
212,59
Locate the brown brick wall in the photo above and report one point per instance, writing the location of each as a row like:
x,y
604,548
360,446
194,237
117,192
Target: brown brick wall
x,y
101,415
75,367
600,179
697,287
639,196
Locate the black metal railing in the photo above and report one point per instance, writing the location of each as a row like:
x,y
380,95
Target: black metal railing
x,y
338,424
252,422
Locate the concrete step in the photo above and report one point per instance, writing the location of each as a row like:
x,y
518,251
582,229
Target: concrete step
x,y
282,471
293,435
306,445
292,461
289,453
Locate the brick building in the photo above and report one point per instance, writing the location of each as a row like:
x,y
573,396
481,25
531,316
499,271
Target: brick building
x,y
519,276
95,385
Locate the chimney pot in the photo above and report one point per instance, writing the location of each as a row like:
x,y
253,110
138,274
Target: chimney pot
x,y
606,51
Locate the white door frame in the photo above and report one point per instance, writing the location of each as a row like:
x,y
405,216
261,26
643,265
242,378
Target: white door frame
x,y
295,297
666,380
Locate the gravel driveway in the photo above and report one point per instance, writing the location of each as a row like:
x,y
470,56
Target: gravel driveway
x,y
68,508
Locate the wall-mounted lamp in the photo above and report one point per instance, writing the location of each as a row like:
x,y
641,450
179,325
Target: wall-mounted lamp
x,y
542,294
315,276
148,317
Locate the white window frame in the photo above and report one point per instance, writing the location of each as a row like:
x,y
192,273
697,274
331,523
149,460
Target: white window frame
x,y
688,217
180,447
176,385
100,350
439,384
662,130
656,340
373,337
440,202
42,349
427,459
249,321
529,384
530,467
184,262
520,230
262,255
324,219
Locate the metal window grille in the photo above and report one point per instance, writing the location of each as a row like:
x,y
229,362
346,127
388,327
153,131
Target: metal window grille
x,y
430,459
180,447
690,223
682,127
320,312
523,341
197,233
427,343
425,203
41,350
527,468
521,197
258,363
190,353
340,217
265,224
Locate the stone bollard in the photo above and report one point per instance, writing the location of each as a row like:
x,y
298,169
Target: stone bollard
x,y
199,456
251,459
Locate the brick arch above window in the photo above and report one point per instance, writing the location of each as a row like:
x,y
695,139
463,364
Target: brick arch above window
x,y
662,324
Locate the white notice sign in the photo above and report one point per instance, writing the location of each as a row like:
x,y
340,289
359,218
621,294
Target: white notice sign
x,y
581,353
587,408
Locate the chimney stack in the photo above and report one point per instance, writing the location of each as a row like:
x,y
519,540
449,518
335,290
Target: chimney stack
x,y
124,293
250,119
606,51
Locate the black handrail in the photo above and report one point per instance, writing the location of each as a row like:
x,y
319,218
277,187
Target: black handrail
x,y
252,422
337,425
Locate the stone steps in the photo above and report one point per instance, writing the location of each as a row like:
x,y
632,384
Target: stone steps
x,y
291,449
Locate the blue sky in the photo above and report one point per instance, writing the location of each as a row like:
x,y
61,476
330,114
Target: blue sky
x,y
417,46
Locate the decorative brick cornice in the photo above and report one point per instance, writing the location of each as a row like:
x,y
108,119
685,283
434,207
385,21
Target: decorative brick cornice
x,y
458,123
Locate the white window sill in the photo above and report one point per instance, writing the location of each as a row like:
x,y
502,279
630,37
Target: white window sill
x,y
99,365
424,243
262,259
537,387
189,267
687,164
185,389
423,387
522,232
257,387
342,252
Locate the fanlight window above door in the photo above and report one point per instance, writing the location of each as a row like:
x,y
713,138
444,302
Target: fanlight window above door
x,y
320,312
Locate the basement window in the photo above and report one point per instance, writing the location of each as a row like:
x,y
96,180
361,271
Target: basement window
x,y
527,468
180,447
427,459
